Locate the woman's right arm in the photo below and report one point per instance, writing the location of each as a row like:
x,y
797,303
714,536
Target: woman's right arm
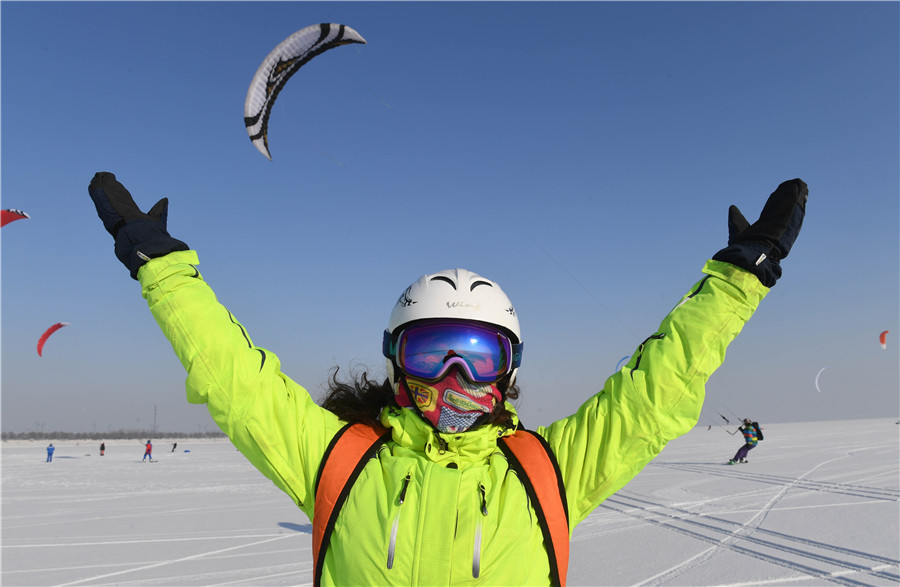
x,y
271,419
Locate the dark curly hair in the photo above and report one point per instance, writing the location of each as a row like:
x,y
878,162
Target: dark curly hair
x,y
362,399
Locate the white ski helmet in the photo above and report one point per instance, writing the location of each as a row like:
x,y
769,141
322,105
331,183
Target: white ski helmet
x,y
457,294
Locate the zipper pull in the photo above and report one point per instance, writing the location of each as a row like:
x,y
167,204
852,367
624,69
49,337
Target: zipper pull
x,y
484,511
442,444
402,497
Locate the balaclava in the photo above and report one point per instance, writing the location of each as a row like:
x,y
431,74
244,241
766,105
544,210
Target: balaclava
x,y
451,404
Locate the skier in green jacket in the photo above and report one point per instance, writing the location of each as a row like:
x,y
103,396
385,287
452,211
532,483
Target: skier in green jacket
x,y
436,505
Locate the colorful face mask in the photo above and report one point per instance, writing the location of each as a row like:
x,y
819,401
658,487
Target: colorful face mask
x,y
452,404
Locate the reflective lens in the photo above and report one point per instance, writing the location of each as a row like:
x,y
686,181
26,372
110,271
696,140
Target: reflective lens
x,y
428,349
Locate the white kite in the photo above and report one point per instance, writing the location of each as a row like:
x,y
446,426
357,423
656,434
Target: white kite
x,y
819,389
278,67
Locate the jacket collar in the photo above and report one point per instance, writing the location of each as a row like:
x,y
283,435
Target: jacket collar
x,y
411,432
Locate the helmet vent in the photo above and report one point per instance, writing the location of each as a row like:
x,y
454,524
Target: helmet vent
x,y
454,294
444,278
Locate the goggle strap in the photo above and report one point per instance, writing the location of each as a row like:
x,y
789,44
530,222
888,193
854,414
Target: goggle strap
x,y
516,355
387,346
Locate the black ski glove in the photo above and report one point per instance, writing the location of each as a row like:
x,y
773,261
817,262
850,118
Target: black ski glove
x,y
139,236
760,247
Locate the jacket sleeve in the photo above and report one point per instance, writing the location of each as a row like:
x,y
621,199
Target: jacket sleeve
x,y
271,419
657,396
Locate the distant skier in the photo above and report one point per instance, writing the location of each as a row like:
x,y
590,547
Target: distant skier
x,y
750,441
148,452
102,448
174,446
50,450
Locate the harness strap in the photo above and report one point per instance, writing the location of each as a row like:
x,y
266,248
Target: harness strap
x,y
543,484
528,454
355,444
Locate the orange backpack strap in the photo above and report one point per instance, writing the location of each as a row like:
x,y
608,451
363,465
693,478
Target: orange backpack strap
x,y
533,460
354,444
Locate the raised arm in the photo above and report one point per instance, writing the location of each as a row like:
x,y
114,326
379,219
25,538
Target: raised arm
x,y
271,419
658,395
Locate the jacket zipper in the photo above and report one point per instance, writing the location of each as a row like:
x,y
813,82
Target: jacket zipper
x,y
476,555
657,336
396,524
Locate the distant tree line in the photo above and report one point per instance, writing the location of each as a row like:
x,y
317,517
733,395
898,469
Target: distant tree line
x,y
110,435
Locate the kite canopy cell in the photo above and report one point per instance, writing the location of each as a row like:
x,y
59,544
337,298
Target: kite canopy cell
x,y
46,335
278,67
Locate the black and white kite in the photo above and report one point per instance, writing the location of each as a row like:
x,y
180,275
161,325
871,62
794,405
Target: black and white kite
x,y
278,67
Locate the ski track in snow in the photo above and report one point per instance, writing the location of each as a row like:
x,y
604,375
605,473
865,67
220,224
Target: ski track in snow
x,y
96,579
103,574
750,539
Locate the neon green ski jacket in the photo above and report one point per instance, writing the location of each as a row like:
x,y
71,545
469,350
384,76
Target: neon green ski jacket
x,y
445,509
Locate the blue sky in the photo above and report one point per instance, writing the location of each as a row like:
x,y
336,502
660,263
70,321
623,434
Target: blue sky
x,y
581,154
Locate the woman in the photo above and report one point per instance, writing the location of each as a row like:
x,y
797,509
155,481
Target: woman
x,y
437,505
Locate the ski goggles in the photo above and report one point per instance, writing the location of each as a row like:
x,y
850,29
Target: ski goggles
x,y
426,350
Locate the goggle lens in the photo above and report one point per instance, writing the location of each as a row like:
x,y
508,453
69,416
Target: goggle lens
x,y
429,349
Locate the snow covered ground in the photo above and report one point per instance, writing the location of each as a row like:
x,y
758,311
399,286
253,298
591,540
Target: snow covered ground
x,y
819,503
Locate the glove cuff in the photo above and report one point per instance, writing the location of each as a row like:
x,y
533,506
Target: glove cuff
x,y
139,241
760,259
